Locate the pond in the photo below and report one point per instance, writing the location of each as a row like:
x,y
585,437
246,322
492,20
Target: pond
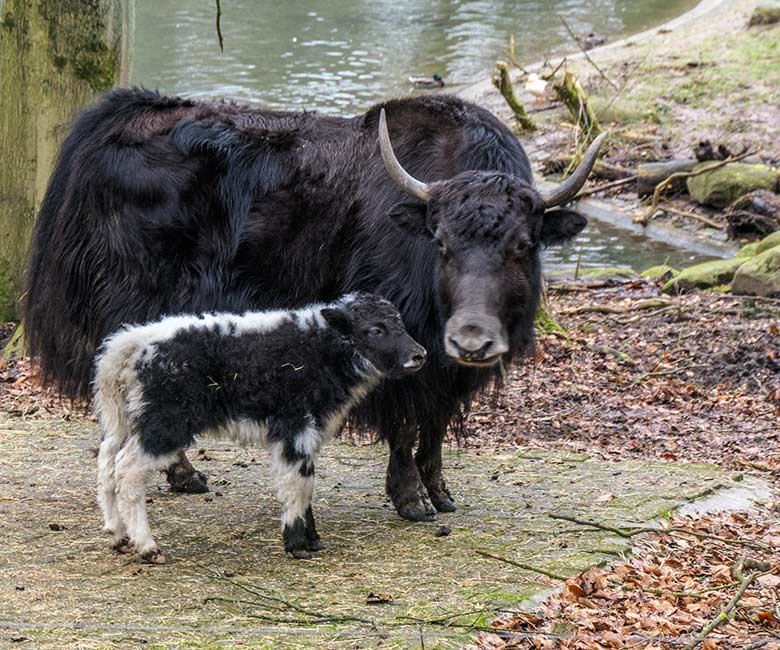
x,y
341,56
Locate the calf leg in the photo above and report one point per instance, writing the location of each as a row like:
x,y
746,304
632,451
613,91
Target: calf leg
x,y
183,477
404,485
106,494
132,467
292,461
428,458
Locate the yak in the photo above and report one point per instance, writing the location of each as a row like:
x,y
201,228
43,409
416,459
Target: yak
x,y
161,205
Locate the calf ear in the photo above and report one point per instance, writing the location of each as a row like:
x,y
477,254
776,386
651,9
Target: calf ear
x,y
412,218
338,320
561,225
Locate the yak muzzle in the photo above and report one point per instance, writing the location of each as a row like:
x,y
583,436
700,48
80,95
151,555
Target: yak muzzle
x,y
475,342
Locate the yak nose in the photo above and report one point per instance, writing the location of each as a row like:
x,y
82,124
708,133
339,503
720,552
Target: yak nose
x,y
417,360
473,343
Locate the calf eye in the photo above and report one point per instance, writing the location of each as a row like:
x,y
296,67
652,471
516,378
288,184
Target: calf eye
x,y
377,330
442,247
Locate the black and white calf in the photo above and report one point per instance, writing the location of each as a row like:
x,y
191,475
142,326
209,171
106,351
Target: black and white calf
x,y
284,379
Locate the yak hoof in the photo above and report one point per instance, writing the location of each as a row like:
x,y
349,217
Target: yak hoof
x,y
153,556
421,510
444,504
124,546
301,554
193,483
314,545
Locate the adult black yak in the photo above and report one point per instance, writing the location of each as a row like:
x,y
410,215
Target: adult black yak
x,y
160,205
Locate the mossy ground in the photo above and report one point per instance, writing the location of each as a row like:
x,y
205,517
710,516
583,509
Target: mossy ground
x,y
66,589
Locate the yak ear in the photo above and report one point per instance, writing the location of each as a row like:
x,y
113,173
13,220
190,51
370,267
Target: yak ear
x,y
412,218
561,225
338,319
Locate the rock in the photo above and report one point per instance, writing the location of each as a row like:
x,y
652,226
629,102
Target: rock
x,y
623,111
606,272
723,186
766,13
704,276
660,272
768,242
748,251
759,276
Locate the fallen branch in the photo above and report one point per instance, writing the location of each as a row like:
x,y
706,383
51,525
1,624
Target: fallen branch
x,y
629,533
601,169
757,567
653,303
527,567
645,218
504,85
692,215
606,186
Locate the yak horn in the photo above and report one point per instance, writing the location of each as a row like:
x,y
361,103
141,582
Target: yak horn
x,y
398,173
569,188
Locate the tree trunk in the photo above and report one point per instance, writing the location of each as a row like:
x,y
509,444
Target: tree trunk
x,y
55,57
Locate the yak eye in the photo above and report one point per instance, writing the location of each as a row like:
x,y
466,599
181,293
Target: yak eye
x,y
377,330
442,247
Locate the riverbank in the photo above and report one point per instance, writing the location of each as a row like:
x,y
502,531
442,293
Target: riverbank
x,y
704,76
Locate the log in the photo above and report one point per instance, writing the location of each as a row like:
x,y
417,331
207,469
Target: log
x,y
601,169
649,175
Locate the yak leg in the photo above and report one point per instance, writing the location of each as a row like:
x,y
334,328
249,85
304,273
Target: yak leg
x,y
404,485
183,477
428,458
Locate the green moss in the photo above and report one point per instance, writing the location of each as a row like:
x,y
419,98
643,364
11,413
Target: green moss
x,y
599,272
747,251
770,241
7,292
660,272
721,187
704,276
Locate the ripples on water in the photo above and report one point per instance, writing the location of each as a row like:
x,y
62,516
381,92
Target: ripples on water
x,y
340,56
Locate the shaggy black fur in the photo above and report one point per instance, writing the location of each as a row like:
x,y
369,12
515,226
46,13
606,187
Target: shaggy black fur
x,y
161,205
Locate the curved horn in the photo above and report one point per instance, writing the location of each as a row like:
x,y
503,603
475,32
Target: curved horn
x,y
569,188
398,173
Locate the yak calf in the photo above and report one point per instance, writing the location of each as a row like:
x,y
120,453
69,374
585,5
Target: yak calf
x,y
284,379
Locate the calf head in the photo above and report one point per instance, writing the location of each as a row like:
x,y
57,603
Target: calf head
x,y
489,228
374,326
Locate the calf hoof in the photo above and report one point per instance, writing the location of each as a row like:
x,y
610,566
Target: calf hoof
x,y
153,556
301,554
124,546
420,509
314,545
189,483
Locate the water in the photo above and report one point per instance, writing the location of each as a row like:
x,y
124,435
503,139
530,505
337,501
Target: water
x,y
341,56
603,245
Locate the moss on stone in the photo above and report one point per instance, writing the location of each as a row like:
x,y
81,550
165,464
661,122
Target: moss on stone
x,y
704,276
724,185
604,272
759,276
766,13
747,251
7,292
770,241
660,272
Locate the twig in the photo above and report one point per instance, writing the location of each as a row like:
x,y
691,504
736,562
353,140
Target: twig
x,y
606,186
549,76
585,53
692,215
628,533
527,567
745,581
645,218
219,27
512,55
